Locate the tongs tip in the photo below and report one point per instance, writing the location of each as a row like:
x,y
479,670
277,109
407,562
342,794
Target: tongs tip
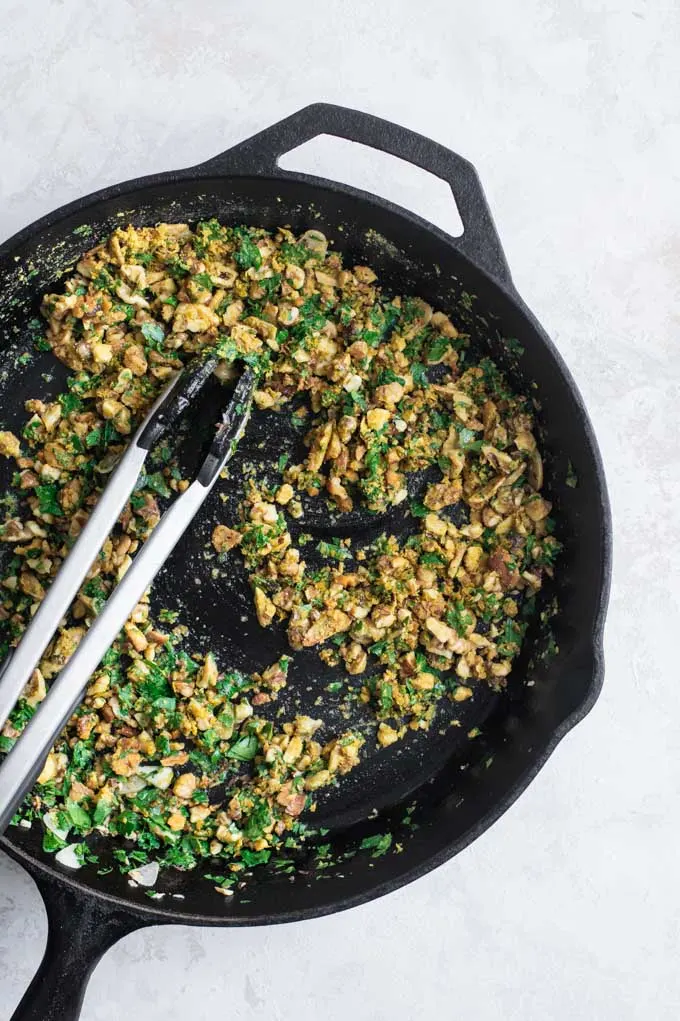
x,y
234,421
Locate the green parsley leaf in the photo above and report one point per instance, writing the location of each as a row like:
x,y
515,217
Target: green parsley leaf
x,y
270,285
251,858
418,510
438,349
514,346
386,696
389,376
81,754
102,811
468,440
51,842
296,254
459,618
177,268
245,748
157,483
335,550
419,374
431,559
156,686
70,402
78,815
153,333
48,499
379,844
94,438
248,254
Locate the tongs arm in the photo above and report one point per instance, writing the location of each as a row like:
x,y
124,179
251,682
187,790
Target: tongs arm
x,y
24,762
22,661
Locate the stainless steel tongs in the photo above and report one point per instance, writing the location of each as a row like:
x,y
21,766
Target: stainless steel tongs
x,y
24,762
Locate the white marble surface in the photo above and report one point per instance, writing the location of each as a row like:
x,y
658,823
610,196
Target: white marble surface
x,y
568,907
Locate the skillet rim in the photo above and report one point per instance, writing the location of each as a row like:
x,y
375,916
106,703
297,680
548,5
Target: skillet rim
x,y
45,874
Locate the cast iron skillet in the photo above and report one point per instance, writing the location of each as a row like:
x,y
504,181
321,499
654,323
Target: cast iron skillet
x,y
455,786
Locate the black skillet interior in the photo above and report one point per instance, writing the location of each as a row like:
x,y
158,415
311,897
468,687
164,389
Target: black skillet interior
x,y
458,785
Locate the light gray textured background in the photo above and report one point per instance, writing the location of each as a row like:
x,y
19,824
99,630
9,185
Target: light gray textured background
x,y
568,907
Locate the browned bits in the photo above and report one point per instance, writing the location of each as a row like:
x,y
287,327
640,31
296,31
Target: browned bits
x,y
225,539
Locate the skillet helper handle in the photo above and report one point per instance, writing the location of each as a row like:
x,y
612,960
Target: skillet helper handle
x,y
80,931
259,156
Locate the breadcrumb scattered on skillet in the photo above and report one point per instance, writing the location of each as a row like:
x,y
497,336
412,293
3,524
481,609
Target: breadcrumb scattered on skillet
x,y
168,751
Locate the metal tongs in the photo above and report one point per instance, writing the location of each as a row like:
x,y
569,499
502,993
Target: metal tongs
x,y
25,760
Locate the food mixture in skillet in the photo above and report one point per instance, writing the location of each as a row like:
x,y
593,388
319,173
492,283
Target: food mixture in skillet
x,y
171,751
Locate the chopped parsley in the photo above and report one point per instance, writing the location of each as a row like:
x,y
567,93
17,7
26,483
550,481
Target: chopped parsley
x,y
153,334
248,254
48,499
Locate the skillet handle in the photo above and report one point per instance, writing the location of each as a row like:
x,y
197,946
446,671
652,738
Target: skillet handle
x,y
259,156
79,932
